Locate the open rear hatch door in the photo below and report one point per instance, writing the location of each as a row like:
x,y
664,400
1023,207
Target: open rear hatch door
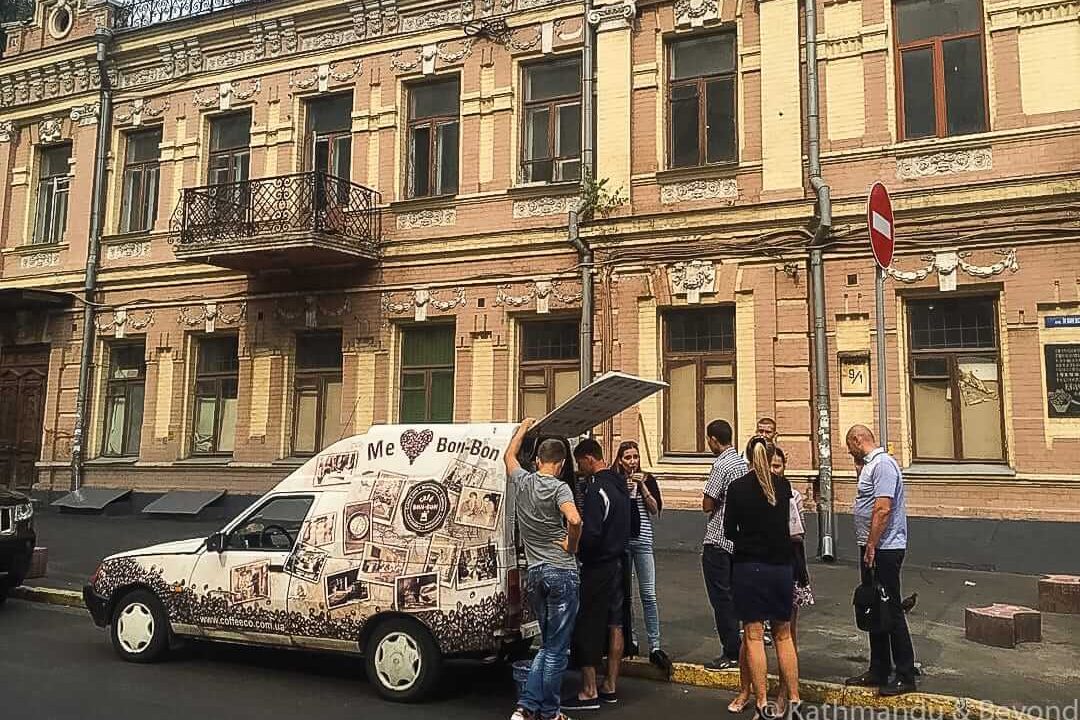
x,y
601,400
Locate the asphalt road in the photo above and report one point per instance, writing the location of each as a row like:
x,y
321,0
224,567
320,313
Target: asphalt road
x,y
54,664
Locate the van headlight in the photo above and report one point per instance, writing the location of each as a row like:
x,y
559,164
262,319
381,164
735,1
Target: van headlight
x,y
24,512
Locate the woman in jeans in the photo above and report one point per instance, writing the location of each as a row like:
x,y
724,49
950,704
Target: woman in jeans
x,y
647,502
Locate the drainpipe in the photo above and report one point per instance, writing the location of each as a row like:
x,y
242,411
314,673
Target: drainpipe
x,y
103,36
588,172
826,543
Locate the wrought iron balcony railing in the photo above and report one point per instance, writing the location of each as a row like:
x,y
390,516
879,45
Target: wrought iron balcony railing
x,y
134,14
233,214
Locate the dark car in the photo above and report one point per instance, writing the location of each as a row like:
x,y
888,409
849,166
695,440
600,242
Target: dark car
x,y
16,539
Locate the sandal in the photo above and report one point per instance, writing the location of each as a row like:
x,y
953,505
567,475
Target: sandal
x,y
737,706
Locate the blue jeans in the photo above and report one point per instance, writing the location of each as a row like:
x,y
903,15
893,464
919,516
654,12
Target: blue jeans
x,y
641,555
553,593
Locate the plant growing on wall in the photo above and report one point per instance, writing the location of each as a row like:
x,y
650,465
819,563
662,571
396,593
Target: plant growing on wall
x,y
597,199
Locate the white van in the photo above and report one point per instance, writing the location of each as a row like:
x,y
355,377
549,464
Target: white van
x,y
397,544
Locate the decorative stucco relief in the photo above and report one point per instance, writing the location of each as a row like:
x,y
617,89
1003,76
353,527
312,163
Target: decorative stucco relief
x,y
127,251
421,299
946,263
725,189
542,290
7,130
944,163
692,279
613,17
444,217
695,13
119,321
50,130
40,260
321,75
311,310
85,115
228,92
210,315
539,207
138,110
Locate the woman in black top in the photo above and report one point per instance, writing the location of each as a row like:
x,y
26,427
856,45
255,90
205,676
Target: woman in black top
x,y
756,521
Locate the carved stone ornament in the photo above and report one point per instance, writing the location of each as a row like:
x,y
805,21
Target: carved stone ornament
x,y
7,130
48,81
944,163
421,299
539,207
321,75
613,17
945,263
138,110
692,278
543,290
311,310
122,320
209,315
50,130
726,189
695,13
40,260
227,92
445,217
127,251
424,57
85,115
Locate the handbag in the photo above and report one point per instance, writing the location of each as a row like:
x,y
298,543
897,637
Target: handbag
x,y
874,610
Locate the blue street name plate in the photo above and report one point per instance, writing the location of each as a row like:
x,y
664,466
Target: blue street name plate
x,y
1059,321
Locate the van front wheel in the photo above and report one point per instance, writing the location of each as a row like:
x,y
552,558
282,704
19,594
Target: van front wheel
x,y
403,661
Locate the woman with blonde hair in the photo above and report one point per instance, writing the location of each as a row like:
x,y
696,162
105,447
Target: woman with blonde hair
x,y
756,520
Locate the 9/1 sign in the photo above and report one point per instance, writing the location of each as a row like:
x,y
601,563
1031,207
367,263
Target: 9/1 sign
x,y
854,374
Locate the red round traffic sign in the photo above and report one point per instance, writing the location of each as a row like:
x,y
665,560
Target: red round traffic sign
x,y
879,220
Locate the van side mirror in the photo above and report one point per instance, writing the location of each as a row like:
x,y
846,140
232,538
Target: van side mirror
x,y
216,542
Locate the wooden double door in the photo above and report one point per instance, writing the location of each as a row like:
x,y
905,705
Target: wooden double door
x,y
23,379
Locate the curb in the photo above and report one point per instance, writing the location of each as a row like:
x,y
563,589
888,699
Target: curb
x,y
926,705
49,596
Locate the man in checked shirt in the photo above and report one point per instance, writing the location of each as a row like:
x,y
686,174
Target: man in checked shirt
x,y
716,550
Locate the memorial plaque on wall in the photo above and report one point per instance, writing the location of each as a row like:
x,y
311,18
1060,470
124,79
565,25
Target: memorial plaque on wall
x,y
1063,380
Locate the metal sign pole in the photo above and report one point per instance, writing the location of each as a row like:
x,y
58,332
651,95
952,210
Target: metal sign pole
x,y
883,417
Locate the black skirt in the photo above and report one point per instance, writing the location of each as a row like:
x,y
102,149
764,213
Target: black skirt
x,y
763,591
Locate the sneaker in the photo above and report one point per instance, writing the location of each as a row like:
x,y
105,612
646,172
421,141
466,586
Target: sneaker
x,y
660,659
576,703
722,663
897,686
521,714
608,698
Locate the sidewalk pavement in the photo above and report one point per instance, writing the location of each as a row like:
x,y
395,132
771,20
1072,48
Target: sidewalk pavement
x,y
830,646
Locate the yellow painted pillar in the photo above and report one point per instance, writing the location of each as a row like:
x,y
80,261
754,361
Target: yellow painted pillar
x,y
614,82
781,130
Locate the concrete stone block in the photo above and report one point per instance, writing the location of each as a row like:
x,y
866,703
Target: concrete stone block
x,y
38,563
1002,625
1060,594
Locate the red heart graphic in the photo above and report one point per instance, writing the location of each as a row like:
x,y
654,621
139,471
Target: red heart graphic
x,y
414,443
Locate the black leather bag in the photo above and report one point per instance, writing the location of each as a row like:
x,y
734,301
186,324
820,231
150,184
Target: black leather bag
x,y
874,609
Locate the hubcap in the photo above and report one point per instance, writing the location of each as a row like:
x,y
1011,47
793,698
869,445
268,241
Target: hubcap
x,y
135,628
397,661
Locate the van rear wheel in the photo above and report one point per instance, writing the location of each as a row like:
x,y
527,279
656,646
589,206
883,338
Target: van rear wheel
x,y
140,628
403,661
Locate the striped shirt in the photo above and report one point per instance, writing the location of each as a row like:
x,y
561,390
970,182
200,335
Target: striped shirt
x,y
645,532
728,466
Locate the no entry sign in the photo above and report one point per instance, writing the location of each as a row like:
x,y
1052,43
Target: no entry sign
x,y
879,219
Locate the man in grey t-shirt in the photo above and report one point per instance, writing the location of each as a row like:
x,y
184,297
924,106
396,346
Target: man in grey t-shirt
x,y
550,527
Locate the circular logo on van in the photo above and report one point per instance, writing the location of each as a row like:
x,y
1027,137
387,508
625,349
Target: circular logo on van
x,y
425,507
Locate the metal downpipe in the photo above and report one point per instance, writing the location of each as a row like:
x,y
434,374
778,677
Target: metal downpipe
x,y
103,37
822,401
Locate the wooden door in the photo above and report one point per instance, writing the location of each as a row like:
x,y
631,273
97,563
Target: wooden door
x,y
23,376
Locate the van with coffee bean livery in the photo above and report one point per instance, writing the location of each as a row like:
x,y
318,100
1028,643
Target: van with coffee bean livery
x,y
398,544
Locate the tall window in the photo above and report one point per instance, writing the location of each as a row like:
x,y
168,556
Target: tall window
x,y
433,138
699,365
942,78
317,422
329,122
52,199
550,365
701,97
230,140
124,399
427,374
551,150
216,369
138,208
955,381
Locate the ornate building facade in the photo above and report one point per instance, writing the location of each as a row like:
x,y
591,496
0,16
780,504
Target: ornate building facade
x,y
319,216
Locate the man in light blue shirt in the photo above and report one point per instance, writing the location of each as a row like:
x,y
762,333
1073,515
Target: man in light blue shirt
x,y
881,530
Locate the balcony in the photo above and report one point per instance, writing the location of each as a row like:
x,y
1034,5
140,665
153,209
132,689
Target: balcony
x,y
307,219
135,14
